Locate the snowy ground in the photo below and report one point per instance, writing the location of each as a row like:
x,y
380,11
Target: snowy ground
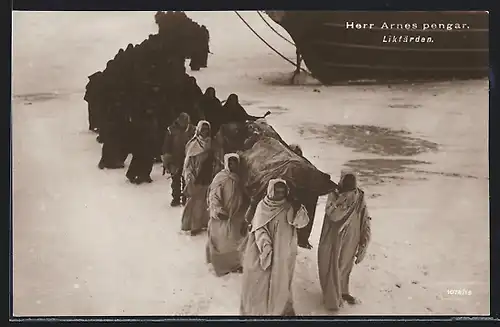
x,y
86,242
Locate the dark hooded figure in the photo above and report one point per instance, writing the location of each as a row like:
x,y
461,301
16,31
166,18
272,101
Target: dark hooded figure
x,y
205,48
212,109
234,112
190,99
198,48
125,132
310,202
110,133
92,97
194,86
144,133
158,16
119,54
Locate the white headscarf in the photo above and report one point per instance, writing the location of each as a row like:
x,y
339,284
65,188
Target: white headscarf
x,y
227,156
268,209
225,173
340,207
199,144
270,190
199,126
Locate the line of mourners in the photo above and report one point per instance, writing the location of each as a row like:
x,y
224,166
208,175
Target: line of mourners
x,y
255,195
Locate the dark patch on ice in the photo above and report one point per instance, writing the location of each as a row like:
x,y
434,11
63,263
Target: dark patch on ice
x,y
36,97
383,166
379,171
456,175
248,102
274,108
405,106
371,139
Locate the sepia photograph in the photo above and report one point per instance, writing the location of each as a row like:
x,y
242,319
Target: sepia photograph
x,y
250,163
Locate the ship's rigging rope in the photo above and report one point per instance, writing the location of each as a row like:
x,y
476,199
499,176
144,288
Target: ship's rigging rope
x,y
274,30
270,46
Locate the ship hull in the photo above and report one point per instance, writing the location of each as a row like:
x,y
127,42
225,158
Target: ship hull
x,y
342,46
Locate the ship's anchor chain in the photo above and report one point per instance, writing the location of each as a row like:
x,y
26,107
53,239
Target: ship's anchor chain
x,y
298,62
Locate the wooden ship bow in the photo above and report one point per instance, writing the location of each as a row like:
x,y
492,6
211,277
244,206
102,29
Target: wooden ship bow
x,y
341,46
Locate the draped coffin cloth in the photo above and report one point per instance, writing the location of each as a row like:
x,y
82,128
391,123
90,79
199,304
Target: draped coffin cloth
x,y
234,137
264,129
270,158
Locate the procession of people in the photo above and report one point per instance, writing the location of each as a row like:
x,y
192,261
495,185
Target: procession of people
x,y
156,112
260,237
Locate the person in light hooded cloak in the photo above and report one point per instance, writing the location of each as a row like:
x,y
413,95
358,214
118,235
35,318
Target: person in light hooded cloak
x,y
344,239
198,173
270,254
227,206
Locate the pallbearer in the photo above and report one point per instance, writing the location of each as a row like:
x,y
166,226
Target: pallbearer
x,y
344,239
92,97
144,134
234,112
205,47
310,202
174,152
198,173
211,108
270,254
227,206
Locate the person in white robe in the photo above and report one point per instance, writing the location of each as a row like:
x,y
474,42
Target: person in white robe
x,y
227,204
270,254
198,172
344,239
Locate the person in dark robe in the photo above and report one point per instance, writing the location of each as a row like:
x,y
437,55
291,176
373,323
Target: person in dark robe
x,y
110,148
212,109
92,98
174,152
119,55
131,55
190,99
195,89
110,136
125,131
142,155
345,236
234,112
310,202
158,17
159,131
198,48
205,47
